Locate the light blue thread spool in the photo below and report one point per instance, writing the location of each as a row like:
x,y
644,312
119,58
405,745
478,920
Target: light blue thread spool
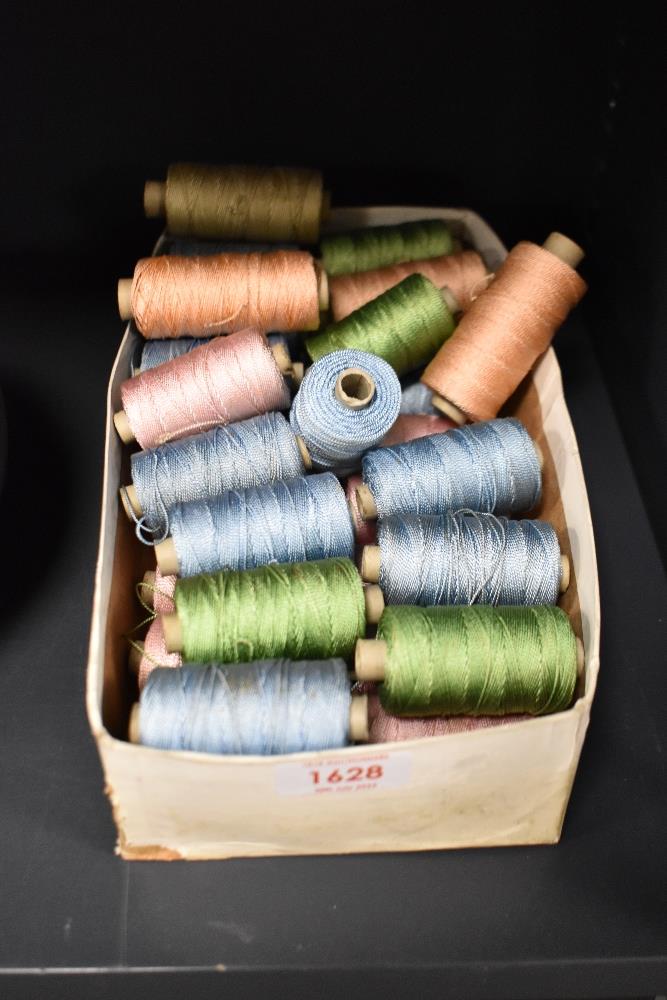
x,y
491,467
282,522
416,399
340,418
265,707
467,558
247,453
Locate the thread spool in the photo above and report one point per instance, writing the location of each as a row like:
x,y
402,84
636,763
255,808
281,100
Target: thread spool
x,y
506,329
410,426
346,403
491,467
147,656
239,203
386,728
472,660
405,325
463,273
380,246
171,296
268,707
224,381
281,522
299,610
247,453
417,399
466,559
156,591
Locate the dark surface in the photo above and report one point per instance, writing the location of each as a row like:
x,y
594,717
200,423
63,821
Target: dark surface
x,y
585,918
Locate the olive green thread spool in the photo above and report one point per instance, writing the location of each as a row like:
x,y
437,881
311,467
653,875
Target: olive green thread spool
x,y
405,325
380,246
472,660
312,610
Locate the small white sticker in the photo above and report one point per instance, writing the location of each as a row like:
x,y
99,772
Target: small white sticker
x,y
343,775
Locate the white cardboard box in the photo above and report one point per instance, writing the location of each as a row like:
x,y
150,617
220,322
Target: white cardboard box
x,y
507,785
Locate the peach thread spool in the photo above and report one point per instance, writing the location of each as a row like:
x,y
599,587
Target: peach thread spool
x,y
506,329
171,296
228,379
463,273
239,202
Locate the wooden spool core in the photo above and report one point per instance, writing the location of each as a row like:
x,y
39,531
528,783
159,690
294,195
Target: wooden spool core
x,y
565,249
148,586
564,572
370,657
125,298
359,718
122,425
134,659
298,371
370,563
374,600
355,388
282,358
322,287
581,658
305,454
134,729
366,503
173,633
448,409
540,454
167,559
129,497
155,199
450,300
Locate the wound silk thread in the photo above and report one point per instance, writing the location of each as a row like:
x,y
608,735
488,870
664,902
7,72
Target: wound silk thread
x,y
489,467
155,653
266,707
248,453
386,728
298,610
468,559
158,352
477,660
281,522
380,246
405,325
337,434
226,380
417,399
463,273
244,202
505,330
224,293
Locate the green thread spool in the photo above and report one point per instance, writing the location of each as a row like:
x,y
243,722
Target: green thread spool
x,y
472,660
379,246
406,326
301,611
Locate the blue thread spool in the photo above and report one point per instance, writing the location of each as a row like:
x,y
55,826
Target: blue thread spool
x,y
466,558
265,707
283,522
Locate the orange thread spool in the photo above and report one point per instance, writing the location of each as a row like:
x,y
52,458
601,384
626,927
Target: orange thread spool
x,y
506,329
463,273
223,293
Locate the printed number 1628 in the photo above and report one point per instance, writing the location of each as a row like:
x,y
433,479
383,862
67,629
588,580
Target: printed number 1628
x,y
370,773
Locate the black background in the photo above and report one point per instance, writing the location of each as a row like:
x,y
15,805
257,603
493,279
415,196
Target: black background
x,y
539,116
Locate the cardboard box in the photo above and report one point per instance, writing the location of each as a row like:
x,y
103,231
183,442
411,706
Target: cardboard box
x,y
507,785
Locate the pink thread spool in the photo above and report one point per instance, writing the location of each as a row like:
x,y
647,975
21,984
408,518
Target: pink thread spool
x,y
415,425
463,273
225,380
